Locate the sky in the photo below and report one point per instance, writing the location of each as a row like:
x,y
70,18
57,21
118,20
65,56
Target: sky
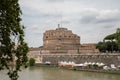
x,y
92,20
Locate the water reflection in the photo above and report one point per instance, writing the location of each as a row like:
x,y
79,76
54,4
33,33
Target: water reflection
x,y
46,73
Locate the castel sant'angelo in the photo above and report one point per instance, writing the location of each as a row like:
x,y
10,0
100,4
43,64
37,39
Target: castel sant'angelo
x,y
62,44
63,41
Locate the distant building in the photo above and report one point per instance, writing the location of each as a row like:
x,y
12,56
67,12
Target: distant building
x,y
63,41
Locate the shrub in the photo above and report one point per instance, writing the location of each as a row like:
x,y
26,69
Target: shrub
x,y
31,62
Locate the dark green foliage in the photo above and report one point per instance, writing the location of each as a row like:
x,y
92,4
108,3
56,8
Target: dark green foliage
x,y
31,62
110,43
111,46
74,69
13,49
95,66
110,37
101,46
41,47
107,46
118,37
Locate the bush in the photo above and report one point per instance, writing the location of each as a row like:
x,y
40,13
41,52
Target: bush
x,y
95,66
31,62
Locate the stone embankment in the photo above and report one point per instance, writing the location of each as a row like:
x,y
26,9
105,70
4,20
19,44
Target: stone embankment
x,y
107,59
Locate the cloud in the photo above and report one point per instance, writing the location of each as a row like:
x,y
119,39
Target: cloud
x,y
91,20
99,16
109,16
55,0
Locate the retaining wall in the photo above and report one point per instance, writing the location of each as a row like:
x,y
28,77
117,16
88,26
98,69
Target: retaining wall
x,y
107,59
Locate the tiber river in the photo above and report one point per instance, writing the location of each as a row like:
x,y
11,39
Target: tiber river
x,y
54,73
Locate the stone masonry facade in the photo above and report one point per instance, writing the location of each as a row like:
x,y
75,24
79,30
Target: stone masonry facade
x,y
61,40
63,45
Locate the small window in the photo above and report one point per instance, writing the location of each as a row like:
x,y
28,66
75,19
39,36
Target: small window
x,y
65,36
59,38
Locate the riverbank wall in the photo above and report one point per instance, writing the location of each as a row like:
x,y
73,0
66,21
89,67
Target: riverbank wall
x,y
107,59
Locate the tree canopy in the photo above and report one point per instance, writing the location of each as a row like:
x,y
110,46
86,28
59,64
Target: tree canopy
x,y
13,49
110,43
118,37
110,37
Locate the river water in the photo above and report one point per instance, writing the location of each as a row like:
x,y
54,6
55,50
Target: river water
x,y
54,73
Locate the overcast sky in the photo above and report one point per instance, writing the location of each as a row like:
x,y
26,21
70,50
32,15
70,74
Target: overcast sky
x,y
92,20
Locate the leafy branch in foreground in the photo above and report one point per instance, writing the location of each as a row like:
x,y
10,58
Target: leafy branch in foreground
x,y
13,49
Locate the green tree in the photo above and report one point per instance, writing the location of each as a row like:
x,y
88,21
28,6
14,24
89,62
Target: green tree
x,y
31,62
101,46
13,49
111,46
110,43
110,37
118,38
